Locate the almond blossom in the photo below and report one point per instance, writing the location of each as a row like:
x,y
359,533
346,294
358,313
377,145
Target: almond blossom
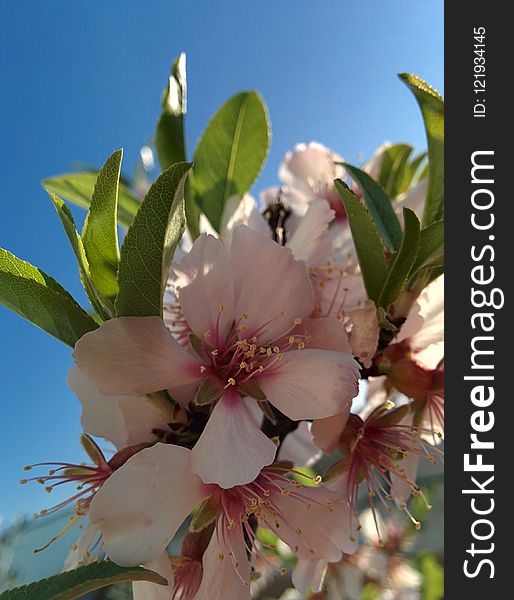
x,y
310,170
248,338
137,526
338,293
381,451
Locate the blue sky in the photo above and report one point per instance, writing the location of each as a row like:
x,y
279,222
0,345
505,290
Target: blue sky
x,y
80,79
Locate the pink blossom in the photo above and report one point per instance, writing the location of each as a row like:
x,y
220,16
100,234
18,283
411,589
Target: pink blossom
x,y
141,506
310,170
245,311
382,451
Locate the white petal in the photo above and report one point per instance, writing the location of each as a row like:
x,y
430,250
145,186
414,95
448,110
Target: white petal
x,y
241,211
309,575
298,446
78,552
204,285
143,590
311,384
142,504
272,289
311,240
232,449
122,420
226,570
134,356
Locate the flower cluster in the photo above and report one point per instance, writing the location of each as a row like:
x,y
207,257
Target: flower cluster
x,y
253,371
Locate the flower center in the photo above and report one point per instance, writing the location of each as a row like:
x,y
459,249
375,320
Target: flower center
x,y
243,507
375,449
239,359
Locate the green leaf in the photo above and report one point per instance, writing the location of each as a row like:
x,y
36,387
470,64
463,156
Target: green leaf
x,y
252,389
379,206
37,297
432,109
150,243
394,169
402,261
78,188
81,581
416,172
366,240
193,211
370,591
433,577
431,248
102,306
100,233
169,135
209,391
205,515
230,153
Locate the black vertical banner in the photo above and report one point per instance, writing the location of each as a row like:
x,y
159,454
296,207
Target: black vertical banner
x,y
479,365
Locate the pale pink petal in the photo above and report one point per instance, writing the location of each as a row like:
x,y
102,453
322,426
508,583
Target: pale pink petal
x,y
345,255
142,504
311,241
326,333
122,420
226,569
431,303
204,286
309,575
298,446
241,211
272,288
364,331
311,384
143,590
184,394
78,552
376,395
338,293
401,489
134,356
326,432
232,449
425,323
317,526
309,167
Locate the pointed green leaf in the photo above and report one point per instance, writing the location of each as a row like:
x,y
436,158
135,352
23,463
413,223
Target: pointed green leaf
x,y
205,515
37,297
366,240
100,232
209,391
380,208
169,135
78,188
403,260
417,167
431,248
433,577
149,245
193,211
432,109
102,306
81,581
394,169
230,153
252,389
